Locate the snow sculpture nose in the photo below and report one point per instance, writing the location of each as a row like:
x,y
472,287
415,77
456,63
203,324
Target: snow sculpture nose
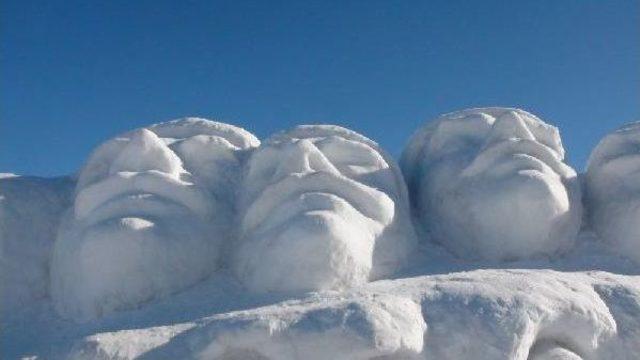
x,y
145,151
303,157
510,125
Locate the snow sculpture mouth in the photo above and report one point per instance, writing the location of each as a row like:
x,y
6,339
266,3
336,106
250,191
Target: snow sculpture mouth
x,y
613,189
490,183
315,203
149,216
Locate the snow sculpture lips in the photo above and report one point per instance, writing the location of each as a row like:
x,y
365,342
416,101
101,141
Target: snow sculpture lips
x,y
323,208
490,183
613,189
151,209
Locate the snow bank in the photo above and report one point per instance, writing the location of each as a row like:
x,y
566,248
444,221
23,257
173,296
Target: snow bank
x,y
482,314
336,329
30,209
490,183
613,189
151,210
322,207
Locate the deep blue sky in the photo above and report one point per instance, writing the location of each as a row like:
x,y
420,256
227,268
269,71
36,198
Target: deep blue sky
x,y
75,73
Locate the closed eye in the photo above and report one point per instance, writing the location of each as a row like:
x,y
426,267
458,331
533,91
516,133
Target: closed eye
x,y
352,158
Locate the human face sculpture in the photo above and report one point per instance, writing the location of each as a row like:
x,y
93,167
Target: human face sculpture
x,y
322,208
151,209
613,190
491,184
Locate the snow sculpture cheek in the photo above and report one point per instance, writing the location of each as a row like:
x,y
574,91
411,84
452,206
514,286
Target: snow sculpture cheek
x,y
613,190
490,184
148,217
315,203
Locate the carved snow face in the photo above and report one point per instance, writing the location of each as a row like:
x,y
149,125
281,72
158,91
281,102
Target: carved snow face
x,y
317,202
613,189
151,209
491,184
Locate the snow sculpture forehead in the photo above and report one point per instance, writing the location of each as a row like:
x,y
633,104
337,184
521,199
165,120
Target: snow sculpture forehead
x,y
473,127
173,134
616,158
326,201
151,210
613,189
470,170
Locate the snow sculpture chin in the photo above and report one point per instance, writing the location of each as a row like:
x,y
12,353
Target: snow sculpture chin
x,y
151,209
613,189
323,208
490,183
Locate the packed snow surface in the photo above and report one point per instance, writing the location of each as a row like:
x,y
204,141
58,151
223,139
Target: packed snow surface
x,y
318,202
613,188
190,239
151,211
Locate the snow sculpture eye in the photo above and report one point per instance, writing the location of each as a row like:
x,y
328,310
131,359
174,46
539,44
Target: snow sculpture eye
x,y
491,183
152,207
613,189
322,208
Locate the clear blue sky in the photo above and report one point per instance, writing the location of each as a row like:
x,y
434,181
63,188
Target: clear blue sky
x,y
75,73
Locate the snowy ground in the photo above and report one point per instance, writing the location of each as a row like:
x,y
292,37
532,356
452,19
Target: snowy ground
x,y
587,303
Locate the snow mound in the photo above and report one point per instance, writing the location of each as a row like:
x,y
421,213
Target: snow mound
x,y
151,210
490,183
336,329
613,189
492,314
321,207
30,209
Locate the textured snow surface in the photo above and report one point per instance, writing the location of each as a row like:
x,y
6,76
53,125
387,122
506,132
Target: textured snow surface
x,y
471,170
152,209
319,201
613,188
192,240
30,210
480,314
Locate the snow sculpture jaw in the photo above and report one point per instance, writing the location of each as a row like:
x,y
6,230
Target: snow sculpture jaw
x,y
613,189
490,183
323,208
150,212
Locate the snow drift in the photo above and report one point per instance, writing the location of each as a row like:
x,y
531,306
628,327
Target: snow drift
x,y
490,183
151,211
482,314
322,207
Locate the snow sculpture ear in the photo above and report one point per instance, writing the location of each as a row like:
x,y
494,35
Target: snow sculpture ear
x,y
470,170
613,190
321,207
151,211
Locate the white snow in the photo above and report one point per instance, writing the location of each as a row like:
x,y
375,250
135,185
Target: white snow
x,y
145,221
321,208
490,183
481,314
191,240
613,189
29,216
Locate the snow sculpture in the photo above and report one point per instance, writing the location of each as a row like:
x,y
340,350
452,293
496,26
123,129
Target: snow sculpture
x,y
30,209
613,189
322,208
490,183
152,207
